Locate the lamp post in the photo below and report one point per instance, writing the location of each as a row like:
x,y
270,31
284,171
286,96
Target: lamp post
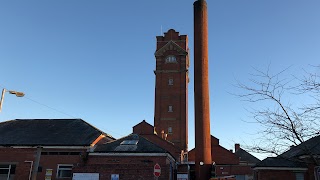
x,y
18,94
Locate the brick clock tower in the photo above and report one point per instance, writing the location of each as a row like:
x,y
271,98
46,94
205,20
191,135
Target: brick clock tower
x,y
171,91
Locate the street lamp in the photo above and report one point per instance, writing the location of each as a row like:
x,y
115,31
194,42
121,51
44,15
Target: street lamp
x,y
18,94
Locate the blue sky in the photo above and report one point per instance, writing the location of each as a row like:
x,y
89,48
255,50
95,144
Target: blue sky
x,y
95,59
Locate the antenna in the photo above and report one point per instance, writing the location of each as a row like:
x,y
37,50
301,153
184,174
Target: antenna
x,y
161,30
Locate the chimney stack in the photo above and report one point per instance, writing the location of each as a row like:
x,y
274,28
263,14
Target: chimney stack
x,y
203,160
162,134
236,147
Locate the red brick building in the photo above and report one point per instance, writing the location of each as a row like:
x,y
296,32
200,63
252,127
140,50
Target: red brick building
x,y
40,148
130,157
60,148
134,157
147,131
300,162
171,89
171,115
238,165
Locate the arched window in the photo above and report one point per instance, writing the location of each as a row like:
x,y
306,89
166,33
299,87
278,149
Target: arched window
x,y
171,59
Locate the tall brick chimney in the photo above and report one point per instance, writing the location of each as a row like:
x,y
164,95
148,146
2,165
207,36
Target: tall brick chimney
x,y
203,160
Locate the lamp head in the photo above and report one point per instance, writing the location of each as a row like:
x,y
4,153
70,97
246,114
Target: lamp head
x,y
18,94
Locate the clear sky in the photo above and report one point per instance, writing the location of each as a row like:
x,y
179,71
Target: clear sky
x,y
95,59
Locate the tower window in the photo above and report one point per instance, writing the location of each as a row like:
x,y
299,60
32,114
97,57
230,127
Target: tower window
x,y
170,82
170,109
171,59
169,130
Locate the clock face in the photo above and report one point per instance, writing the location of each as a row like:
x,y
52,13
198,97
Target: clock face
x,y
171,59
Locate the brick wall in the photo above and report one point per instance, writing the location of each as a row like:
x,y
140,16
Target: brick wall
x,y
275,175
128,167
227,163
284,174
219,154
19,156
143,128
51,161
147,131
226,170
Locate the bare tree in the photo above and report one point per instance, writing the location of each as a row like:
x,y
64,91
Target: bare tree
x,y
311,84
283,122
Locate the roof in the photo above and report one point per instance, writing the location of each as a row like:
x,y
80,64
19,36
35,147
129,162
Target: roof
x,y
143,122
245,156
48,132
291,158
132,143
311,146
280,162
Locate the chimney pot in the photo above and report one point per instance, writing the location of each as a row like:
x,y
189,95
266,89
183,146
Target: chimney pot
x,y
162,134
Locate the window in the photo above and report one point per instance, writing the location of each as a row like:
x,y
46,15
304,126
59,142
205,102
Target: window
x,y
299,176
170,109
171,59
170,82
64,171
7,171
169,130
317,172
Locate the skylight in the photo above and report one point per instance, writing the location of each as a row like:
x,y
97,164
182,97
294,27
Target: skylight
x,y
129,142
